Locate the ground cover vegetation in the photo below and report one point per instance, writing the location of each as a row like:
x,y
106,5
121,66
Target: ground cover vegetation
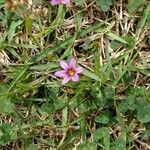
x,y
74,75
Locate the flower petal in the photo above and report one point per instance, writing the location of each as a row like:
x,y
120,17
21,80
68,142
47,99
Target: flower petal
x,y
65,1
64,65
72,63
55,2
75,78
60,73
65,80
79,70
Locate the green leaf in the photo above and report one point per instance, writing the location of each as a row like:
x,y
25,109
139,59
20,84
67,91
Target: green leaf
x,y
6,106
32,147
6,128
91,75
102,134
87,146
119,144
20,45
48,108
68,51
143,110
59,103
80,2
108,92
42,67
99,100
3,88
13,135
14,53
143,20
80,105
5,139
2,3
146,135
12,29
7,133
123,106
134,4
28,25
103,119
117,38
104,4
148,20
131,102
115,44
79,18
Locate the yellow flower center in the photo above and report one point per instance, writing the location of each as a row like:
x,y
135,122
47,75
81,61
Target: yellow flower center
x,y
71,72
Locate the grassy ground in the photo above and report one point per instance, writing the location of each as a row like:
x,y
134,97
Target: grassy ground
x,y
108,109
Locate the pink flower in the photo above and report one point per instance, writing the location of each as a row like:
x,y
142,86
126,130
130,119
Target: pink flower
x,y
57,2
69,72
